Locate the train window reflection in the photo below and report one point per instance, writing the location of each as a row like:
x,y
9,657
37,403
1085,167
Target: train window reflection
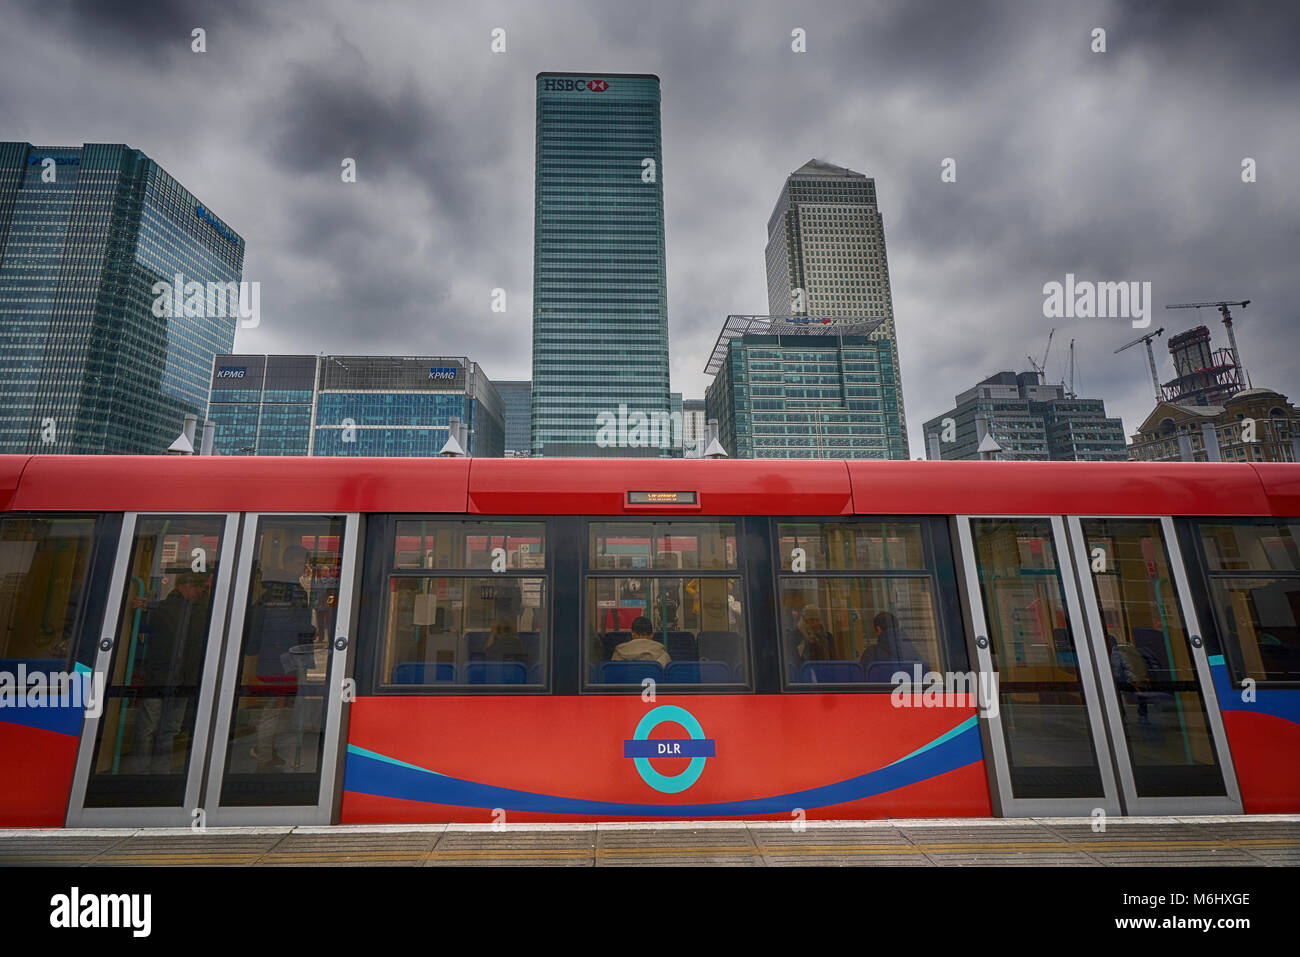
x,y
1260,621
450,632
43,567
853,630
1040,688
277,731
146,731
675,630
664,545
1150,660
1252,547
845,546
488,546
1254,571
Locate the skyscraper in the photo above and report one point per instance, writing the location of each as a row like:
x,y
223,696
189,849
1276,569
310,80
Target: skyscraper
x,y
86,363
600,304
826,256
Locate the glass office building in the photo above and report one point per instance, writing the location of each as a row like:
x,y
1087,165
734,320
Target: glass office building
x,y
351,405
86,364
600,322
789,388
1028,420
826,257
518,399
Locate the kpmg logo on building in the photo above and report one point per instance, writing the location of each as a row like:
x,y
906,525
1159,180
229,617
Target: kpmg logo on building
x,y
443,374
216,224
232,372
35,160
556,83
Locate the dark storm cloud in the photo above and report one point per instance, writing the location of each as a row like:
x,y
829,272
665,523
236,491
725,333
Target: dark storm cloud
x,y
1122,165
143,28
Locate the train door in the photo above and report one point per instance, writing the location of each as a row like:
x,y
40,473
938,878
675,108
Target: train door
x,y
214,718
1170,748
278,730
142,752
1044,728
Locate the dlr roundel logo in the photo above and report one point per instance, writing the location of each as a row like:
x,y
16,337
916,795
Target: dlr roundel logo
x,y
696,747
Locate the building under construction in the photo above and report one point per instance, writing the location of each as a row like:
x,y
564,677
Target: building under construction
x,y
1203,376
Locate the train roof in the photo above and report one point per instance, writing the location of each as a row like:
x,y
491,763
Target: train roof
x,y
601,486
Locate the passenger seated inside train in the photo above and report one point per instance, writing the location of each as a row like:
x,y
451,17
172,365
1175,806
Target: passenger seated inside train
x,y
642,646
809,638
504,643
890,644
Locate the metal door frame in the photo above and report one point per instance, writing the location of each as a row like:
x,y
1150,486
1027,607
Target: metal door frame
x,y
321,811
1000,778
78,814
1230,802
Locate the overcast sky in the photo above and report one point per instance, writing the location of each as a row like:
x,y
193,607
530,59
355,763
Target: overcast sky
x,y
1123,165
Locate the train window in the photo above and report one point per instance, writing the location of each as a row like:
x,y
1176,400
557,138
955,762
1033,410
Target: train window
x,y
1258,548
868,613
647,617
841,546
1150,660
470,545
145,735
484,626
663,545
277,730
43,568
1254,571
450,632
1040,679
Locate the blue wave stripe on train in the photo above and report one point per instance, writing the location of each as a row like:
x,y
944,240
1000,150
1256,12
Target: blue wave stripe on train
x,y
1278,704
371,773
61,714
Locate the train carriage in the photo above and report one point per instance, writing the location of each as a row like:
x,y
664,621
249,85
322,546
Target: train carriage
x,y
292,640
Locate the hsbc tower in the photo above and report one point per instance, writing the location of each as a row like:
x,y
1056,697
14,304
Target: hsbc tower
x,y
600,307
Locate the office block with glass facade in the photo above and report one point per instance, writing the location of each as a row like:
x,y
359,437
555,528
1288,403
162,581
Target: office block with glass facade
x,y
1028,420
600,321
826,257
352,405
86,364
517,398
788,388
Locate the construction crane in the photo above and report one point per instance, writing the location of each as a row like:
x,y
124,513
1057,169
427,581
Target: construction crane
x,y
1041,367
1071,394
1227,322
1151,356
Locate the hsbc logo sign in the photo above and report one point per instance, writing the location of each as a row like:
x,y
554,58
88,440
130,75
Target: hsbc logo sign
x,y
555,83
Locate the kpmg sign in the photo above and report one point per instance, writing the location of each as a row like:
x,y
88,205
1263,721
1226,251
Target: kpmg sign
x,y
58,160
556,83
216,224
443,375
232,372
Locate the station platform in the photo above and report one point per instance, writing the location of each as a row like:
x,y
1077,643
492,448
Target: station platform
x,y
1255,840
